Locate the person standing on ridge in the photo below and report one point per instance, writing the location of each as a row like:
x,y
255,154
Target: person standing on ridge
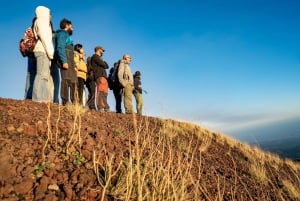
x,y
137,92
43,52
79,59
126,80
99,66
91,85
64,58
31,72
115,86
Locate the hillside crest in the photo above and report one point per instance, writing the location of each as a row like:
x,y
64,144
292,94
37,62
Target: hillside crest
x,y
51,152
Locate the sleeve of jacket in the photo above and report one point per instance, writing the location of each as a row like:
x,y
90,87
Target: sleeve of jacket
x,y
44,33
100,62
121,72
76,59
61,47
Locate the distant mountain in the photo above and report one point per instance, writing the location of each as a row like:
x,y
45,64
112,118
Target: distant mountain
x,y
286,148
281,137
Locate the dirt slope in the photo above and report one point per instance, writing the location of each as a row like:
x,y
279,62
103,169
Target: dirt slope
x,y
50,152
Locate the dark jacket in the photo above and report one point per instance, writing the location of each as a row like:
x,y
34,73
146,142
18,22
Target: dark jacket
x,y
90,76
64,53
99,66
137,85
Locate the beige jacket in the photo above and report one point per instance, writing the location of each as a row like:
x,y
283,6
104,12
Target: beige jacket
x,y
124,74
80,65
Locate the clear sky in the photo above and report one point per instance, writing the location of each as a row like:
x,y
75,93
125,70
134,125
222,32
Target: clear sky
x,y
227,65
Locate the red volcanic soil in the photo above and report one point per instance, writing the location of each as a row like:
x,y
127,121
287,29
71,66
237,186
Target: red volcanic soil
x,y
48,152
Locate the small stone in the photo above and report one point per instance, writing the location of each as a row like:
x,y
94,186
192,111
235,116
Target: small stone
x,y
10,128
53,187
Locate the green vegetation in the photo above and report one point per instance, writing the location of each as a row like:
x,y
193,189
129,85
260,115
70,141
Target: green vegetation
x,y
78,158
39,169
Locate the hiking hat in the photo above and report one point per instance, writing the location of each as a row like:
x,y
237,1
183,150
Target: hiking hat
x,y
98,48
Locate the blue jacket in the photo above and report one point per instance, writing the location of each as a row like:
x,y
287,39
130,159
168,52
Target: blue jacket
x,y
64,53
61,39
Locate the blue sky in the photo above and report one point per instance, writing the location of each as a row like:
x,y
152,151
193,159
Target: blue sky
x,y
230,66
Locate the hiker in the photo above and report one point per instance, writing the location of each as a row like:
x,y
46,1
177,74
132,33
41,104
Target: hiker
x,y
99,66
117,89
64,58
126,80
91,85
31,71
79,58
137,92
43,52
114,85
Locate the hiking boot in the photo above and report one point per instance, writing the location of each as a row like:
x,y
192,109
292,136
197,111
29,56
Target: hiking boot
x,y
107,110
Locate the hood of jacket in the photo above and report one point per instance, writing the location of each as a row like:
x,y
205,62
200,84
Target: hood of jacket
x,y
61,31
42,12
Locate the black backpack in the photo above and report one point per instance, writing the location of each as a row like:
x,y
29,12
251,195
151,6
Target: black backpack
x,y
90,71
113,79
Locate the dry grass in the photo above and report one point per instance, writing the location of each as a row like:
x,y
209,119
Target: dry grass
x,y
76,110
159,167
258,171
292,190
155,170
75,133
294,166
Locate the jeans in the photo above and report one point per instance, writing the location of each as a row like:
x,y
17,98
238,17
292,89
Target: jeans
x,y
56,81
31,73
43,83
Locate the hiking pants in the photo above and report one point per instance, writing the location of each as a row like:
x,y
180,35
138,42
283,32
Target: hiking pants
x,y
139,102
118,98
128,99
102,92
68,87
91,86
80,88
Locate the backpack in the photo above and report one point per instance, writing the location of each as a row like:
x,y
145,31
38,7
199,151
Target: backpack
x,y
90,72
113,79
27,43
